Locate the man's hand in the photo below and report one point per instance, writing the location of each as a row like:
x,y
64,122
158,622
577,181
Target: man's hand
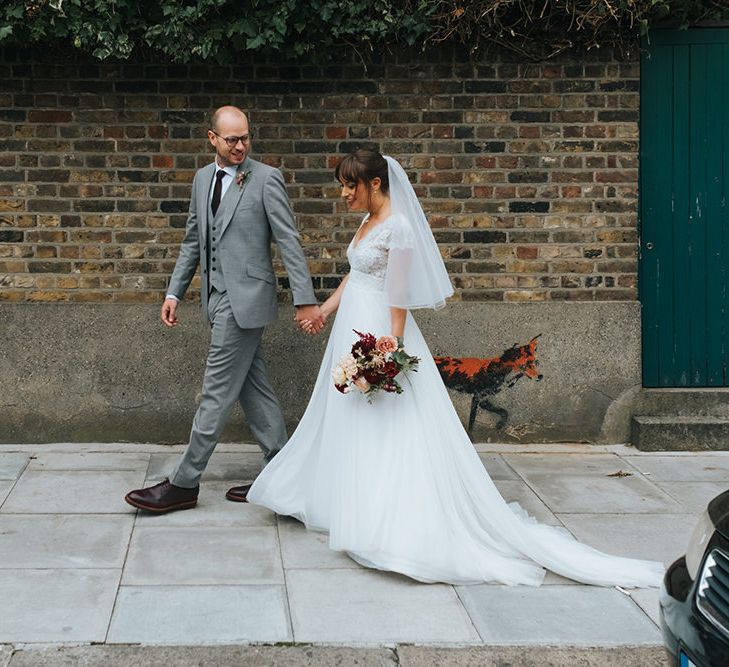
x,y
310,318
169,312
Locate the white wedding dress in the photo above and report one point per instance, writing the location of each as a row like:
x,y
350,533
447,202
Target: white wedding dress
x,y
397,483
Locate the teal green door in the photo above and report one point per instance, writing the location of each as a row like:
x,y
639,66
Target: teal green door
x,y
684,214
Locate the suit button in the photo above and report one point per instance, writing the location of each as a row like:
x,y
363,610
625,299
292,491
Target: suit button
x,y
213,268
213,247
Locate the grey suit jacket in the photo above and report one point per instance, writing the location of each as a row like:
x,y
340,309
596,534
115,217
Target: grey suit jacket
x,y
249,217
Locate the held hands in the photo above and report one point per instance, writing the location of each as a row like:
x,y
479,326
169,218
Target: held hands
x,y
310,318
169,313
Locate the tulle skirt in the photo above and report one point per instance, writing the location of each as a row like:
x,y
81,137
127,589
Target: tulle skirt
x,y
398,485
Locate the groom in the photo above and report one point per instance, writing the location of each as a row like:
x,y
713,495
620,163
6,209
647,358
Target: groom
x,y
237,206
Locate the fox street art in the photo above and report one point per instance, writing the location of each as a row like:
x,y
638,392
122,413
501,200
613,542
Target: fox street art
x,y
484,378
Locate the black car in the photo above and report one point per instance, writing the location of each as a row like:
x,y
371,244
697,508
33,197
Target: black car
x,y
694,599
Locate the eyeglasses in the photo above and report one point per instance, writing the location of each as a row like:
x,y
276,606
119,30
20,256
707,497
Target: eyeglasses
x,y
233,141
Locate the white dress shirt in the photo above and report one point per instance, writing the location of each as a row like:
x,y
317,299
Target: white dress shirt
x,y
231,172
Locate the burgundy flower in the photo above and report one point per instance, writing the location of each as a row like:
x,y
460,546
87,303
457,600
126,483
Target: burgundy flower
x,y
366,343
373,377
390,369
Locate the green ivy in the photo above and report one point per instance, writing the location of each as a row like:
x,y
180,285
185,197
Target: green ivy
x,y
220,30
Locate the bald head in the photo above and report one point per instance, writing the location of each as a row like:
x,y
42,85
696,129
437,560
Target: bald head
x,y
227,115
229,135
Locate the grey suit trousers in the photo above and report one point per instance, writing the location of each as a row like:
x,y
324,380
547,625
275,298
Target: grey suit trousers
x,y
235,371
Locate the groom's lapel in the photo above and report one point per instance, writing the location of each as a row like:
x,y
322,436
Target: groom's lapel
x,y
202,195
233,196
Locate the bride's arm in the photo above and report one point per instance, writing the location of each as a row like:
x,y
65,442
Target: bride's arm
x,y
332,303
398,316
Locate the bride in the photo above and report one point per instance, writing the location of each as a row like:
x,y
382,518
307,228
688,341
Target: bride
x,y
396,482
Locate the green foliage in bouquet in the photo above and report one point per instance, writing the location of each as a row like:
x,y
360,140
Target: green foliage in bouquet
x,y
404,361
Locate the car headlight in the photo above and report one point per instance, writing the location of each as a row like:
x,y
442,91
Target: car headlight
x,y
697,544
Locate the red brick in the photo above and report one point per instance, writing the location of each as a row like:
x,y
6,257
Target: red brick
x,y
163,161
50,116
527,252
336,133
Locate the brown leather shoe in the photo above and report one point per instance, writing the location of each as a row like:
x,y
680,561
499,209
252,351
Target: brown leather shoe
x,y
163,497
239,494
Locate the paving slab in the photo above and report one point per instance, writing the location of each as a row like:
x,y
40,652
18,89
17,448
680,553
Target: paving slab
x,y
5,486
6,653
212,510
125,447
362,606
693,496
582,465
527,656
647,600
595,495
63,540
497,468
206,656
308,549
519,492
11,465
557,615
689,468
90,461
554,579
192,615
203,556
648,536
91,447
236,467
77,492
56,605
550,579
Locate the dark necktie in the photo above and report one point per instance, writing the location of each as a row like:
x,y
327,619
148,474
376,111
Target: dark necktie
x,y
217,190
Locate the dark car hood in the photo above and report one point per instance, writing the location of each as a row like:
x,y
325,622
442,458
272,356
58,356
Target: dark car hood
x,y
719,513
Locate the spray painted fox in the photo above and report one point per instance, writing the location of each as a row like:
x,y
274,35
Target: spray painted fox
x,y
485,377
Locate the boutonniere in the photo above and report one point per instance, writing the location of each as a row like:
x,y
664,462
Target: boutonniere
x,y
240,178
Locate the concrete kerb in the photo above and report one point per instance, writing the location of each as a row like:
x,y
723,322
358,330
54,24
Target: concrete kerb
x,y
322,656
219,656
532,656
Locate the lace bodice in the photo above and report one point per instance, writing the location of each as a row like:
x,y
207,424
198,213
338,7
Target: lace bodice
x,y
370,254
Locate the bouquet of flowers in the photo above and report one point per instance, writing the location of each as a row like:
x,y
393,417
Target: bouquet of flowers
x,y
373,364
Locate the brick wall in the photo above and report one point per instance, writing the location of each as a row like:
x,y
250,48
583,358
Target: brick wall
x,y
527,172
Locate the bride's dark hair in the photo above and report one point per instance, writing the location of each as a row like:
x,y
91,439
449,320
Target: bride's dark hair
x,y
363,166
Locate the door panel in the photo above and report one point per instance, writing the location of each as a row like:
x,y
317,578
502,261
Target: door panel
x,y
684,179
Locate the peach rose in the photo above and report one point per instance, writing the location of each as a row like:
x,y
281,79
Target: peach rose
x,y
362,384
386,345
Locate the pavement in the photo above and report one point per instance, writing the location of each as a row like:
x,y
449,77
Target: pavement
x,y
86,580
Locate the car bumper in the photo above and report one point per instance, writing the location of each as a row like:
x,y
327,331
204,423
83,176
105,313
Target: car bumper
x,y
685,630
